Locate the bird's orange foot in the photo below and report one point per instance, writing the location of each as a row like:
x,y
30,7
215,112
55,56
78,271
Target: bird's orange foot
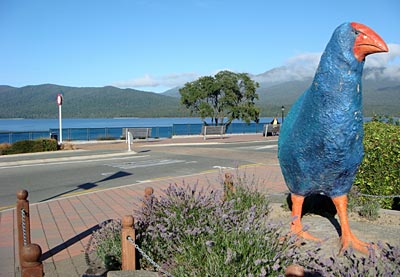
x,y
350,240
297,230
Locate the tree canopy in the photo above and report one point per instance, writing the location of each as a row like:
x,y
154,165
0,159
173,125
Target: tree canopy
x,y
225,96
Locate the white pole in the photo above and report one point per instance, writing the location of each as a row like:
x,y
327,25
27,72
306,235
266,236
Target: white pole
x,y
129,140
60,124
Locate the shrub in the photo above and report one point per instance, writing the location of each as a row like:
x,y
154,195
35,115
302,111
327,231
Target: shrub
x,y
193,233
30,146
370,210
4,146
106,138
367,209
380,169
106,244
382,260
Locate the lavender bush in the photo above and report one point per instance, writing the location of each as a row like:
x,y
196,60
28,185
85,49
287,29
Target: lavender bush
x,y
383,260
190,231
193,233
105,243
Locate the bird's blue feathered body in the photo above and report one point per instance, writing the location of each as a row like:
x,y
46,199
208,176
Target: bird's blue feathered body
x,y
320,141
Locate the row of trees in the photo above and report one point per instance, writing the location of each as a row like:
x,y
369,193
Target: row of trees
x,y
225,96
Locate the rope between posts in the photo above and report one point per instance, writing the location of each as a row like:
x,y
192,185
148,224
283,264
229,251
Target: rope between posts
x,y
158,267
358,194
379,196
23,218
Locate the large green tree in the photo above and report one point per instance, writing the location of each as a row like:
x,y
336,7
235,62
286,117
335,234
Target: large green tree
x,y
225,96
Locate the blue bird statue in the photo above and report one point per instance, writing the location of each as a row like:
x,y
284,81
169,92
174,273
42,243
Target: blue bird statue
x,y
321,140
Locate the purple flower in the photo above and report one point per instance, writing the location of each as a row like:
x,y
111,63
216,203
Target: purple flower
x,y
276,266
229,256
210,243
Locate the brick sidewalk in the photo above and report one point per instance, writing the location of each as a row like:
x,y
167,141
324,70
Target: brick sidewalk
x,y
62,227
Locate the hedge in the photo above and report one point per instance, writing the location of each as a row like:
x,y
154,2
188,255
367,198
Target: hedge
x,y
30,146
379,173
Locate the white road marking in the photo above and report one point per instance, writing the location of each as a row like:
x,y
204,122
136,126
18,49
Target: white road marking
x,y
149,163
107,173
254,147
142,182
222,167
267,147
70,162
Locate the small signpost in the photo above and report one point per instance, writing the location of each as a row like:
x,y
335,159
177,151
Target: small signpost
x,y
59,103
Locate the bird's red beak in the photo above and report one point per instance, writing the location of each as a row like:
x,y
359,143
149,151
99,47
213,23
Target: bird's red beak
x,y
367,42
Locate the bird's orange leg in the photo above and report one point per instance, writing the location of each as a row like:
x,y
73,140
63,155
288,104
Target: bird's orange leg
x,y
348,238
296,227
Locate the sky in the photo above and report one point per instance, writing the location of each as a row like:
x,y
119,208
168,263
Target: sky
x,y
155,45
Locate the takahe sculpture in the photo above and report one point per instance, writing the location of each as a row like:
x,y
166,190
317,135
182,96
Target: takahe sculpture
x,y
320,142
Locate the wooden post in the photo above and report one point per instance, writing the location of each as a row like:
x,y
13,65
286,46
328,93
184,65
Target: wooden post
x,y
23,220
229,187
148,194
128,249
294,270
31,266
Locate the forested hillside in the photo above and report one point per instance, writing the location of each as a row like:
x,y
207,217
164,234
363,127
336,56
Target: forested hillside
x,y
379,97
105,102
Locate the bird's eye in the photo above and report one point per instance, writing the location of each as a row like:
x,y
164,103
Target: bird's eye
x,y
356,32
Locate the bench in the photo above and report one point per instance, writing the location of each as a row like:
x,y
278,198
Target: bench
x,y
271,130
137,133
213,130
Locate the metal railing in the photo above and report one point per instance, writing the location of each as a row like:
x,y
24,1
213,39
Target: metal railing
x,y
11,137
70,134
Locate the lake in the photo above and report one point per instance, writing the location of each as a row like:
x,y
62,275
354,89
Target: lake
x,y
22,125
12,130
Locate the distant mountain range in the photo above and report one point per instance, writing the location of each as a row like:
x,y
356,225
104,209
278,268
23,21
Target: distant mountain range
x,y
87,102
380,96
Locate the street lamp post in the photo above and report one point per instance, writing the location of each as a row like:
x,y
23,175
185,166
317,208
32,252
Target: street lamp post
x,y
283,113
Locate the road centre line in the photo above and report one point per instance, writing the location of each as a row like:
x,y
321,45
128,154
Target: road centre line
x,y
148,163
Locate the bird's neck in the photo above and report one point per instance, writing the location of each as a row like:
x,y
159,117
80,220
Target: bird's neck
x,y
338,81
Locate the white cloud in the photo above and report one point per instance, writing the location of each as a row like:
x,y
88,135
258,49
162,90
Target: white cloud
x,y
298,67
168,81
215,72
161,83
384,59
388,63
295,68
381,65
144,81
305,59
303,65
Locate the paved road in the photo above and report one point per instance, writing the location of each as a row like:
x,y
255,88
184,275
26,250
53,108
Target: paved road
x,y
51,175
